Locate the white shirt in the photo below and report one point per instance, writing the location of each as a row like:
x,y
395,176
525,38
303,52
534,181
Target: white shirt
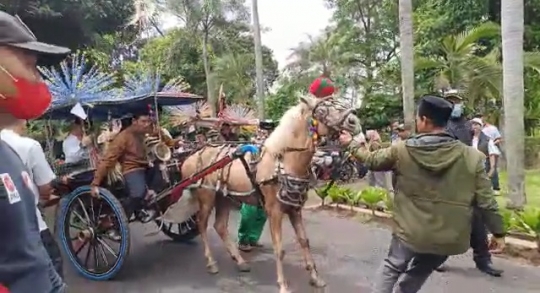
x,y
491,131
492,148
33,157
73,151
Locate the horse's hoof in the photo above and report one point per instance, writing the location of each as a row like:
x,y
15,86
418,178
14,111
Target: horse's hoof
x,y
317,282
212,269
284,290
244,267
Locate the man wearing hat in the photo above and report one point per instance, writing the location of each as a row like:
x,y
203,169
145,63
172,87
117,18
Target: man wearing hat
x,y
439,182
25,266
227,133
459,127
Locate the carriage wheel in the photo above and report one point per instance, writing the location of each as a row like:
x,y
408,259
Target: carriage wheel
x,y
182,232
94,233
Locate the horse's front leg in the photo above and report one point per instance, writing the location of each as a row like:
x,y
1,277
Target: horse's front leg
x,y
295,216
275,218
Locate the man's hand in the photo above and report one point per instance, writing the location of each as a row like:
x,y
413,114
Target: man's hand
x,y
490,173
497,245
86,141
94,191
65,179
345,138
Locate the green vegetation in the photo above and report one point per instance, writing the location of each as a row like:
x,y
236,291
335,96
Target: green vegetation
x,y
532,187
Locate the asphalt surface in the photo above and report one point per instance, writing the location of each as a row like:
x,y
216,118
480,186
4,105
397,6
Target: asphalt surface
x,y
348,254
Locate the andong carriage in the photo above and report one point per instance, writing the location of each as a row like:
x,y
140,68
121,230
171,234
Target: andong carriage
x,y
84,223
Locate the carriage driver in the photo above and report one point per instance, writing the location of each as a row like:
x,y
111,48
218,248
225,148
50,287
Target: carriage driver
x,y
128,149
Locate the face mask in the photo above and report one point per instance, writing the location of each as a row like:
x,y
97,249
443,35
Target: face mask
x,y
457,111
31,99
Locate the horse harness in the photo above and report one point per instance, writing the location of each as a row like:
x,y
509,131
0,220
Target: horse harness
x,y
293,189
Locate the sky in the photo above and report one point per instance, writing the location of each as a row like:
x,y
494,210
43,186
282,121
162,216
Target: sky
x,y
289,23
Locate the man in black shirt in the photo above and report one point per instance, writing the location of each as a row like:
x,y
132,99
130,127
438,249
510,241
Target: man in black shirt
x,y
459,127
25,266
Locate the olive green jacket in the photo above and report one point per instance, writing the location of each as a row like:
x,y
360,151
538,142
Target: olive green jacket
x,y
439,181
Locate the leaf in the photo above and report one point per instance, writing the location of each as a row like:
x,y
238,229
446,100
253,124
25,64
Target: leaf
x,y
529,220
372,196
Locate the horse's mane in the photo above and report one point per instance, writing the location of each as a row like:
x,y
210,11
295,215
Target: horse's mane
x,y
283,134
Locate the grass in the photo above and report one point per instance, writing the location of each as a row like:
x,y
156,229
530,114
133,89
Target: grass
x,y
532,187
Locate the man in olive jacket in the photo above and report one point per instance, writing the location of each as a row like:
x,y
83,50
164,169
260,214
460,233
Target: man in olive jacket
x,y
439,181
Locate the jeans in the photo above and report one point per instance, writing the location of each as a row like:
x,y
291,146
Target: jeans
x,y
479,240
135,182
53,250
495,178
404,270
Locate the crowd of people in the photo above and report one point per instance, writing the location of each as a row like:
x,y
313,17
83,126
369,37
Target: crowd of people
x,y
444,199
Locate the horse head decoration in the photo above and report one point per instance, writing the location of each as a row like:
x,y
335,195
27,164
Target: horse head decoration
x,y
278,180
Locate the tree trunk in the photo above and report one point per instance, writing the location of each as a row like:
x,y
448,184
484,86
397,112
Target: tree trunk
x,y
258,58
209,88
513,91
407,59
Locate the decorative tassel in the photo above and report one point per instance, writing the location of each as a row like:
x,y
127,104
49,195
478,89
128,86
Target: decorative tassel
x,y
313,131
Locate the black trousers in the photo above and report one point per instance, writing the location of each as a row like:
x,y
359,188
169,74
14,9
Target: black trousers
x,y
479,239
53,250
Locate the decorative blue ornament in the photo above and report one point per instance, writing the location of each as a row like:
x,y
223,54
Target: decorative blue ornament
x,y
76,82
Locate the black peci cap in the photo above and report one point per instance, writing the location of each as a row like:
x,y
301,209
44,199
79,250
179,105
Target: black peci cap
x,y
435,108
14,33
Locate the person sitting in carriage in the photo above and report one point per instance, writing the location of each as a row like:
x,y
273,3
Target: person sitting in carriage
x,y
227,133
75,146
128,149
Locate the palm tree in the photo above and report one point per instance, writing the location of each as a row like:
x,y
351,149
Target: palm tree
x,y
233,71
319,54
460,67
258,58
202,17
512,22
407,58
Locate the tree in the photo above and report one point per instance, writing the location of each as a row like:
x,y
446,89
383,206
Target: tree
x,y
233,72
458,65
204,17
258,58
407,58
514,131
72,23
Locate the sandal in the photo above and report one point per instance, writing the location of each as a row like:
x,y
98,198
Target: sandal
x,y
245,247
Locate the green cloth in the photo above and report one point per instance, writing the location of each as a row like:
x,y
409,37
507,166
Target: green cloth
x,y
252,222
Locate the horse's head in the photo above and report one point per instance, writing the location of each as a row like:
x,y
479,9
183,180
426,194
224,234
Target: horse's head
x,y
332,115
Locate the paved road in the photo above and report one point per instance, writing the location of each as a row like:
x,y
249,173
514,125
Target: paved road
x,y
348,254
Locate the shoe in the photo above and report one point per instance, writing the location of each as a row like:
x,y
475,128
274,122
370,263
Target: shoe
x,y
256,245
113,235
488,268
441,269
245,247
146,216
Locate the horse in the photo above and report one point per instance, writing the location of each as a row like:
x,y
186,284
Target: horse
x,y
278,179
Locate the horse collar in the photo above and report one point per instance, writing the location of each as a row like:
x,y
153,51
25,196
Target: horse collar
x,y
313,123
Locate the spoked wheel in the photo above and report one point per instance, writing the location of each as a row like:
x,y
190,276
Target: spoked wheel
x,y
94,233
180,232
